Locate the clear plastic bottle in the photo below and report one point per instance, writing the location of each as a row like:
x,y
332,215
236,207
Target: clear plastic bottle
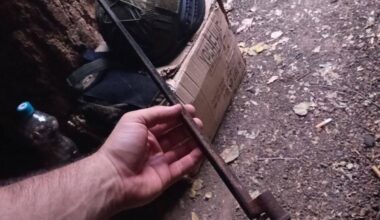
x,y
42,131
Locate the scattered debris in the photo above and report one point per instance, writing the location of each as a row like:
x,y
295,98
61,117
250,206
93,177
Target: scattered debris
x,y
245,25
272,79
336,58
230,154
303,108
195,187
276,34
323,123
369,140
249,135
328,73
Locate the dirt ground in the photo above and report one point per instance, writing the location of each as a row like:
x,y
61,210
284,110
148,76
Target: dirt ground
x,y
325,53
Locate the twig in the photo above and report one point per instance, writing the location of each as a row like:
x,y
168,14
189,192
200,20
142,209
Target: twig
x,y
323,123
277,158
376,170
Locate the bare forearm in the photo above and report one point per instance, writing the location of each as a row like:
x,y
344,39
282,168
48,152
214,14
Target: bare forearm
x,y
83,190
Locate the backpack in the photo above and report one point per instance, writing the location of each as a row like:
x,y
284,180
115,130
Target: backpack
x,y
106,89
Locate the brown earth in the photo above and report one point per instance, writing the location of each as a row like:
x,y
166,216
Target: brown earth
x,y
327,54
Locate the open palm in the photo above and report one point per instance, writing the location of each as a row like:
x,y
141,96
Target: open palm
x,y
151,149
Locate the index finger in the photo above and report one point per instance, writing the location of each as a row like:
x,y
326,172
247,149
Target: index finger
x,y
156,115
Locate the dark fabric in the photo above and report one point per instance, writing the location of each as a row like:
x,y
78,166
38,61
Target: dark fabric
x,y
119,86
161,27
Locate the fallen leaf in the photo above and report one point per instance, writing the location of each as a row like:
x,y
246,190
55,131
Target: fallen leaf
x,y
248,50
194,216
230,154
272,79
245,25
303,108
260,47
195,187
276,34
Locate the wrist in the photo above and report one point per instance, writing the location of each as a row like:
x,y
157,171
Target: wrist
x,y
111,183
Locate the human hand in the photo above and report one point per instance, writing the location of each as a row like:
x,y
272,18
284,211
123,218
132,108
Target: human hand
x,y
150,149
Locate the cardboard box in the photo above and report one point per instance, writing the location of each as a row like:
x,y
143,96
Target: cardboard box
x,y
208,71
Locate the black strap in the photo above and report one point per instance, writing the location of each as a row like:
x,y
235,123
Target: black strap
x,y
88,74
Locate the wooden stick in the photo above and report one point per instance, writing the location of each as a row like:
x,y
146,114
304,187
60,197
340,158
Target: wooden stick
x,y
376,170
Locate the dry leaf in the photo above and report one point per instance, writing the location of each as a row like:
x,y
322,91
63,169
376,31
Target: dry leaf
x,y
272,79
260,47
230,154
303,108
195,187
247,50
276,34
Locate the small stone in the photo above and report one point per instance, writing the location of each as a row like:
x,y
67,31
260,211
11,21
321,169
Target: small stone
x,y
276,34
208,195
317,49
349,166
254,194
369,140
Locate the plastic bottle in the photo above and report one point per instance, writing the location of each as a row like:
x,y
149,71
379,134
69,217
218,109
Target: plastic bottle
x,y
42,131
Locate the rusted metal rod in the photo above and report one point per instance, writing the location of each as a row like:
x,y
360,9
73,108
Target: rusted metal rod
x,y
251,208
